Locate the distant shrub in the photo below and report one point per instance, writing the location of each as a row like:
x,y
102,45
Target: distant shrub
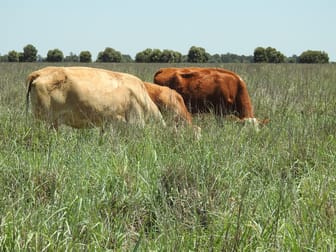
x,y
317,57
29,53
13,56
55,55
268,55
198,55
109,55
85,56
143,56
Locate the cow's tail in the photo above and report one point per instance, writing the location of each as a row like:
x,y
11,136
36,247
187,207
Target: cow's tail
x,y
29,83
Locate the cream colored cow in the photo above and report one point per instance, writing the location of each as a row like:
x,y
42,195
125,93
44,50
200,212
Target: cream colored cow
x,y
83,97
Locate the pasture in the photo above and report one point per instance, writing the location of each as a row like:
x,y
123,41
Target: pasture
x,y
157,189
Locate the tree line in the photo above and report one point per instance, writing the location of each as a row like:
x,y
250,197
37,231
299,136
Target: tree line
x,y
195,55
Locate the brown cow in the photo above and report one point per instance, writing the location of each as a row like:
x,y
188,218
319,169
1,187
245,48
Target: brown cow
x,y
83,97
209,89
168,99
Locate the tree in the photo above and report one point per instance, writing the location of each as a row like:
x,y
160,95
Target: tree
x,y
274,56
143,56
85,56
155,56
293,59
40,58
317,57
109,55
170,56
269,55
246,59
21,59
177,57
184,58
4,58
29,53
125,58
71,58
198,55
55,55
216,58
13,56
259,55
234,58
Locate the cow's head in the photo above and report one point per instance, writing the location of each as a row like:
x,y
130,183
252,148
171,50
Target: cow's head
x,y
164,77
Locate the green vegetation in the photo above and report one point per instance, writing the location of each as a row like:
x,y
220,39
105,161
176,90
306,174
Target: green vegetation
x,y
85,56
13,56
166,56
198,55
311,56
268,55
194,55
55,55
109,55
157,189
29,53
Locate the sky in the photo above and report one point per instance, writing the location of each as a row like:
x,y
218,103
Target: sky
x,y
131,26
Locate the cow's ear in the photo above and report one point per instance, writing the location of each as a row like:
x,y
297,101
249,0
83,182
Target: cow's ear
x,y
187,75
158,72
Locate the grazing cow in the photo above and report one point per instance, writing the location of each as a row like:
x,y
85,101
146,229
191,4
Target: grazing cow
x,y
168,99
209,89
83,97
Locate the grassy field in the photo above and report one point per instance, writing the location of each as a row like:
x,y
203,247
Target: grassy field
x,y
155,189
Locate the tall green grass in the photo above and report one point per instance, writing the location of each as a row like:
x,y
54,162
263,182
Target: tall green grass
x,y
157,189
